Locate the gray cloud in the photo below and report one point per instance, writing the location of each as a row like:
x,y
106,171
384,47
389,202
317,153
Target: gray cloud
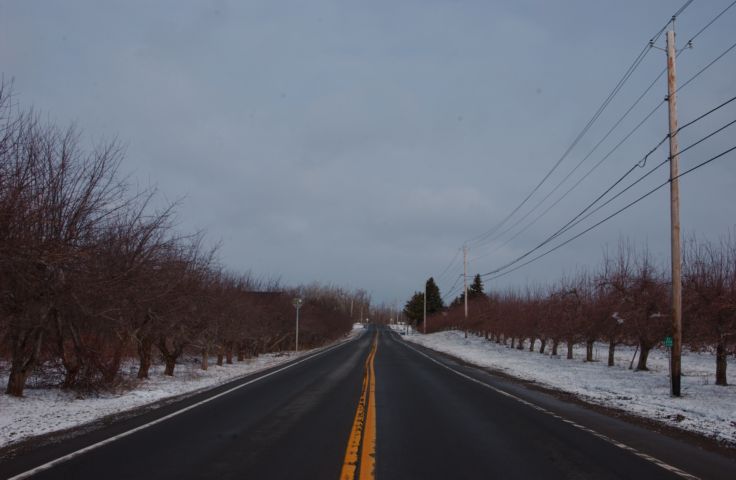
x,y
361,143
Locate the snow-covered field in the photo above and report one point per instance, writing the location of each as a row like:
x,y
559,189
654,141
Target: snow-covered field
x,y
44,410
704,408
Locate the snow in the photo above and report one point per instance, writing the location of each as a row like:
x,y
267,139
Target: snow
x,y
704,408
402,328
45,410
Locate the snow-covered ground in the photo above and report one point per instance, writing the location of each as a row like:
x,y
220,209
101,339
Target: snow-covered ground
x,y
44,410
704,408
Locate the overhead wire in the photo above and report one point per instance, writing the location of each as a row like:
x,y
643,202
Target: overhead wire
x,y
590,153
603,106
580,218
637,61
684,85
574,221
705,68
618,122
707,26
643,161
447,268
476,240
457,276
581,179
452,288
617,212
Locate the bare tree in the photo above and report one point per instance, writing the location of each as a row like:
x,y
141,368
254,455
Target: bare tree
x,y
710,297
54,197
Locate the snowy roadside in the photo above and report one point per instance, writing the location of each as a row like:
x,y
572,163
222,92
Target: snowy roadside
x,y
704,408
46,410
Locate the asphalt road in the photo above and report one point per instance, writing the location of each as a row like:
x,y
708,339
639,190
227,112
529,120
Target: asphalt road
x,y
373,407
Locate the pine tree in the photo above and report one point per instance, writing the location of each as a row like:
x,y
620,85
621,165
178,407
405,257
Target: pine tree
x,y
434,299
457,300
476,288
414,308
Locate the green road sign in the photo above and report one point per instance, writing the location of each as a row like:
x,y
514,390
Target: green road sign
x,y
668,342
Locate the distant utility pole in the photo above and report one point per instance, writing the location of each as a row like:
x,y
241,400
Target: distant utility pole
x,y
297,304
424,320
674,217
465,286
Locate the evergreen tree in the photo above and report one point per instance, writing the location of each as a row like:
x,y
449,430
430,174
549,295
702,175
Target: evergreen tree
x,y
414,308
476,288
457,300
434,299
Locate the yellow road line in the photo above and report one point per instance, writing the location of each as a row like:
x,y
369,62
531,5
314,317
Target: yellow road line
x,y
364,427
368,452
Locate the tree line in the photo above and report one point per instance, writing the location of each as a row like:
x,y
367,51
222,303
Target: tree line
x,y
91,275
625,301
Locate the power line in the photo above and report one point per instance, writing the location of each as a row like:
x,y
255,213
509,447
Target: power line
x,y
642,197
700,117
640,163
587,174
689,42
695,120
677,14
457,277
538,217
577,219
702,164
574,221
637,61
457,253
650,192
705,68
643,161
694,144
569,149
451,295
452,288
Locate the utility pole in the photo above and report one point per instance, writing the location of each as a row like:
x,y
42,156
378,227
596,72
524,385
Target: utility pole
x,y
674,217
465,286
297,304
424,319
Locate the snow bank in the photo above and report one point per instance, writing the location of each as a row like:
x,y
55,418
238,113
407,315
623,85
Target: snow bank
x,y
402,328
704,408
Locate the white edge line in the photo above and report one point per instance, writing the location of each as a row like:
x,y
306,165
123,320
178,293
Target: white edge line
x,y
605,438
101,443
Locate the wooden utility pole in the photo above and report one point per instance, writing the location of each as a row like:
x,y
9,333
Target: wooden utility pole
x,y
465,286
424,319
674,218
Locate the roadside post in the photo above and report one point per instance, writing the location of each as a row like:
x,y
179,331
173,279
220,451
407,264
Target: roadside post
x,y
297,304
668,344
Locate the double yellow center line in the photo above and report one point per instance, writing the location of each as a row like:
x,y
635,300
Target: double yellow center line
x,y
360,455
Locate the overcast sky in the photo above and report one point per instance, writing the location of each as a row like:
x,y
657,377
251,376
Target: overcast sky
x,y
362,143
